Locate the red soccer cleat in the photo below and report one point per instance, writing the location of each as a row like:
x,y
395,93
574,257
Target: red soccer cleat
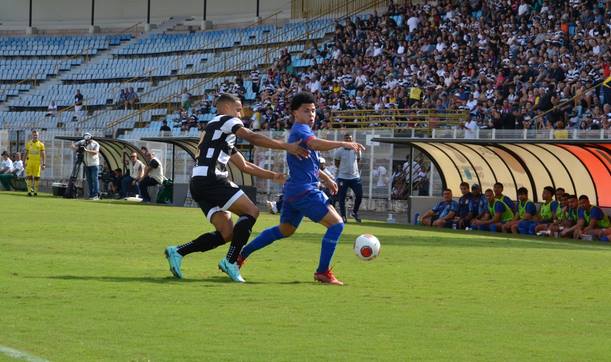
x,y
240,261
327,278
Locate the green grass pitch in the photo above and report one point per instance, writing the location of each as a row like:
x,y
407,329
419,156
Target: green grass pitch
x,y
85,281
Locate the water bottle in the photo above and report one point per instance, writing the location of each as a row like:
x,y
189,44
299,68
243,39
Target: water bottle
x,y
417,218
454,226
391,219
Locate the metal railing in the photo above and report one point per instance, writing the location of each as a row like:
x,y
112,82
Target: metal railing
x,y
420,118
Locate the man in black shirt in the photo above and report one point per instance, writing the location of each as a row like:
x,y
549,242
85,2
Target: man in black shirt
x,y
216,195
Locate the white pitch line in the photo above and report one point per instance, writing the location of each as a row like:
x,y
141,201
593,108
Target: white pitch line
x,y
11,352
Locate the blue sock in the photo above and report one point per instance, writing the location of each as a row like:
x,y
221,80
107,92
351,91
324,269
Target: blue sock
x,y
267,237
329,242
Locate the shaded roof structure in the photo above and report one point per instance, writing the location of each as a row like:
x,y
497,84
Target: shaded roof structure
x,y
115,152
580,167
189,145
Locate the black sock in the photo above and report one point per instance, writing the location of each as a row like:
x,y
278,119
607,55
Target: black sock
x,y
241,233
203,243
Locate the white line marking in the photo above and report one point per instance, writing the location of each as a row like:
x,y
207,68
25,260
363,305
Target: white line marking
x,y
20,355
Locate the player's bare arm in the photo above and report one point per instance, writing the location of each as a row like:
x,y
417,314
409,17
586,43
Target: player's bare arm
x,y
326,145
264,141
252,169
329,182
43,158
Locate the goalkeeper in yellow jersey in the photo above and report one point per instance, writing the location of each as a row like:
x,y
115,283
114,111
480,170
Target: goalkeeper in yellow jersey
x,y
34,163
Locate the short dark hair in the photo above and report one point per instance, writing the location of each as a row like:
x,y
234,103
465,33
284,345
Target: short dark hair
x,y
488,190
584,197
444,190
499,184
227,98
301,98
465,184
571,196
550,189
522,191
560,189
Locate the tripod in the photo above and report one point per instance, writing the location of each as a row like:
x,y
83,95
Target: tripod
x,y
71,190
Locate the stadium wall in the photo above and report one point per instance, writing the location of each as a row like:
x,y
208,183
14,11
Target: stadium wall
x,y
66,14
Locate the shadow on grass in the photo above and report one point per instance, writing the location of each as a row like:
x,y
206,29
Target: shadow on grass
x,y
160,280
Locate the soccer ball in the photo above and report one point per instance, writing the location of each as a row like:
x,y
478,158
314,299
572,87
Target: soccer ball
x,y
366,247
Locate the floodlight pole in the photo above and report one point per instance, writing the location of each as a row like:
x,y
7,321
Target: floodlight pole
x,y
257,8
205,10
148,12
30,15
92,11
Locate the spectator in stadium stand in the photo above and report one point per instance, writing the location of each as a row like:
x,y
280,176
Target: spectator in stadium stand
x,y
123,99
526,211
78,104
153,175
509,64
52,109
164,129
130,181
496,214
592,220
185,99
132,98
442,215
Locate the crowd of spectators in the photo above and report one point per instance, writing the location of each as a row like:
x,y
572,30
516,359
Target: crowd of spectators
x,y
511,64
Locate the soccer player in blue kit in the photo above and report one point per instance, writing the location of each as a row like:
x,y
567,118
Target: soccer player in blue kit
x,y
301,194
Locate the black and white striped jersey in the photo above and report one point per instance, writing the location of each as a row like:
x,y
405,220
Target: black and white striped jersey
x,y
216,145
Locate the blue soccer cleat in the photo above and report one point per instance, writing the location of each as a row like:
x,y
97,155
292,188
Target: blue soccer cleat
x,y
231,269
174,259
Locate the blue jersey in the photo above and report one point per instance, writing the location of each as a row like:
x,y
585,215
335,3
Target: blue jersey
x,y
443,208
464,204
303,174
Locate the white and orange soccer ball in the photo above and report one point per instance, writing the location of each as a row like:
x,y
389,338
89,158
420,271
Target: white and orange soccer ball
x,y
367,247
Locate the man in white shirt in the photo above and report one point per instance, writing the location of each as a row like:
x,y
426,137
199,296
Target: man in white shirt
x,y
5,167
130,181
10,169
91,151
348,176
6,164
153,175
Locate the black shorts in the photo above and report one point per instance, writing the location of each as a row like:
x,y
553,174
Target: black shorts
x,y
214,195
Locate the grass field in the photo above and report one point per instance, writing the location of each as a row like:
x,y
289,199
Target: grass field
x,y
83,281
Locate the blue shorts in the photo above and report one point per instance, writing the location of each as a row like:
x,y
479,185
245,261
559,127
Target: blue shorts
x,y
313,204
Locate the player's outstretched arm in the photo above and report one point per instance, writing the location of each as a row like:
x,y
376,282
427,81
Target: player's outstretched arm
x,y
258,139
329,182
252,169
318,144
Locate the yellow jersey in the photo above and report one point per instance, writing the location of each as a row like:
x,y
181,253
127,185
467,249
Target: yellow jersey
x,y
34,149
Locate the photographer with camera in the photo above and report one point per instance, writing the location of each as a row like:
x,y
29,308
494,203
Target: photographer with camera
x,y
90,151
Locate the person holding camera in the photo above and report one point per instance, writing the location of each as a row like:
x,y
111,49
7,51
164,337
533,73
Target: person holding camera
x,y
90,150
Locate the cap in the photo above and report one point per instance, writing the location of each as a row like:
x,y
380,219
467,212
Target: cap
x,y
475,187
322,160
87,136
